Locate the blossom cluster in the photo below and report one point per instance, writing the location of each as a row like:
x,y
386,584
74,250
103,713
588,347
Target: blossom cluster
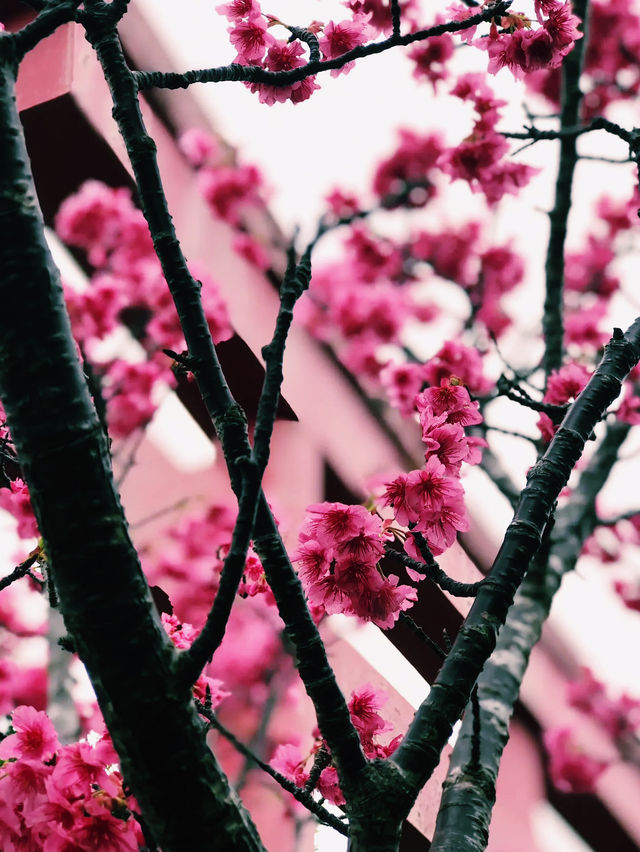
x,y
431,500
609,59
363,705
340,547
62,798
514,41
126,290
404,381
338,556
572,769
480,159
523,48
230,188
563,386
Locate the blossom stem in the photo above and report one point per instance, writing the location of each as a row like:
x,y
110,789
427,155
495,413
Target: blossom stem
x,y
302,795
552,320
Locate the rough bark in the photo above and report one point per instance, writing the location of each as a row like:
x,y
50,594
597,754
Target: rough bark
x,y
103,594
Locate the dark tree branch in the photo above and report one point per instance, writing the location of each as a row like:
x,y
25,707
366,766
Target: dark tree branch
x,y
20,571
102,591
331,708
192,661
418,754
535,134
395,17
424,637
552,320
469,790
296,281
435,573
49,19
255,74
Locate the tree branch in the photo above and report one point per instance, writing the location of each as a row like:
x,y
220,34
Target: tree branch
x,y
552,320
435,573
469,790
301,795
229,420
256,74
20,571
103,595
418,754
48,20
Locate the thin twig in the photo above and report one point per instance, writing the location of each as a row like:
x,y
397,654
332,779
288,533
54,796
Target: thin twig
x,y
303,797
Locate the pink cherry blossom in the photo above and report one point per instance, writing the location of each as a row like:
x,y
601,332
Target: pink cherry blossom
x,y
402,383
342,37
363,706
456,359
430,58
619,716
131,386
288,760
629,594
412,162
284,56
383,607
450,399
238,9
35,737
230,189
250,38
251,250
93,218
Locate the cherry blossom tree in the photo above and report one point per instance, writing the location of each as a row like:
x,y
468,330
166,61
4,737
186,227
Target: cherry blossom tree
x,y
152,640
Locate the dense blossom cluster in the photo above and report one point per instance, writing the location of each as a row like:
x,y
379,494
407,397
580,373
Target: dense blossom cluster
x,y
481,158
431,500
341,548
62,798
610,60
523,48
338,557
513,41
572,769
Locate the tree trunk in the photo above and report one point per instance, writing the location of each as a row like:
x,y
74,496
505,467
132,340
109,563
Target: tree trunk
x,y
103,594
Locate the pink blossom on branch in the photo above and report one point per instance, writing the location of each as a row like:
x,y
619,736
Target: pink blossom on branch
x,y
523,49
283,56
251,39
430,58
338,557
342,37
35,737
198,147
